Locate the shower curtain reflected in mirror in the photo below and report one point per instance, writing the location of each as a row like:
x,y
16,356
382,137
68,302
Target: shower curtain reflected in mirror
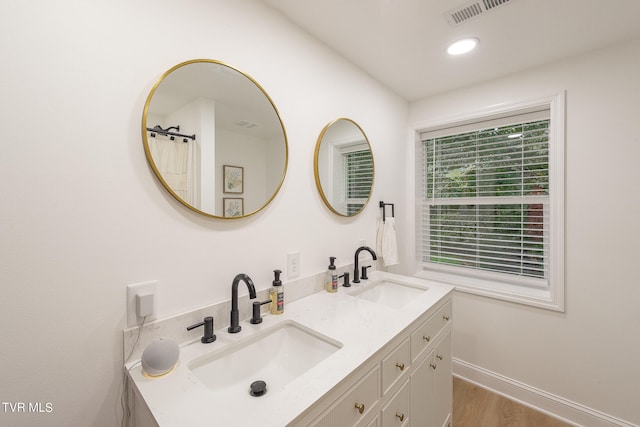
x,y
175,162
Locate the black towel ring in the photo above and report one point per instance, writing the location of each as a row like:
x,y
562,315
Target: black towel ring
x,y
383,205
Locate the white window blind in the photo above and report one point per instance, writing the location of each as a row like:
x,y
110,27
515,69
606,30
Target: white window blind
x,y
486,199
358,167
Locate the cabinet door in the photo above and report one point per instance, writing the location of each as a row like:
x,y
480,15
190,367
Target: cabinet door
x,y
432,387
422,398
442,381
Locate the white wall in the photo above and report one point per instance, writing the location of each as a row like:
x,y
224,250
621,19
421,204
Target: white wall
x,y
82,214
590,353
248,152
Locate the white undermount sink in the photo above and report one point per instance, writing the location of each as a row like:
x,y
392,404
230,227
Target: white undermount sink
x,y
390,293
276,356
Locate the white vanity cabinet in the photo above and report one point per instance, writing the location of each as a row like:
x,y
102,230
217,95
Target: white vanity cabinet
x,y
408,382
389,364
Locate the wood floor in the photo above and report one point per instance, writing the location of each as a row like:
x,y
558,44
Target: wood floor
x,y
476,407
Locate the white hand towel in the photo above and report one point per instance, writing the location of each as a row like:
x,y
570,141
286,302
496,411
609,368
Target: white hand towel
x,y
379,231
389,244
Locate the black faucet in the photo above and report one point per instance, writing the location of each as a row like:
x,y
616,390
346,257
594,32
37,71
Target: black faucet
x,y
356,272
235,327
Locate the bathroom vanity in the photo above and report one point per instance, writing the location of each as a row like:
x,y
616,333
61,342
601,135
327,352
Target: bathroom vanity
x,y
373,355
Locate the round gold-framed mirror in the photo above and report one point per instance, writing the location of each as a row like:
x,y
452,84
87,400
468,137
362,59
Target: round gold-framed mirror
x,y
343,167
214,139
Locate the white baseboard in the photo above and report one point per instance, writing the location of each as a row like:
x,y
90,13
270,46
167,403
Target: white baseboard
x,y
555,406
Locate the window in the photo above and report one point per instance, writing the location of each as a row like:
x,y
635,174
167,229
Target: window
x,y
489,190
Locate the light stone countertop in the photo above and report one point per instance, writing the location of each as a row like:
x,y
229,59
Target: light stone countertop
x,y
361,326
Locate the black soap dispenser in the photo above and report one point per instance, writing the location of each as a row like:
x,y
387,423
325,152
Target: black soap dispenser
x,y
331,282
277,294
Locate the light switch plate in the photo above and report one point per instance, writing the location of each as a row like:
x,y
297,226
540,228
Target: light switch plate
x,y
150,287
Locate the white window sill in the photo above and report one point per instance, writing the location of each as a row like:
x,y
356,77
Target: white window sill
x,y
535,297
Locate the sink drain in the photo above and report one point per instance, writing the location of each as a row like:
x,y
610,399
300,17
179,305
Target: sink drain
x,y
258,388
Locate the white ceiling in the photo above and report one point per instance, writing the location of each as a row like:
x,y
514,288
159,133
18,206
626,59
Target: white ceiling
x,y
402,43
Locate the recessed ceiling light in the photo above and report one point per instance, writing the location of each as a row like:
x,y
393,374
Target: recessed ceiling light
x,y
462,46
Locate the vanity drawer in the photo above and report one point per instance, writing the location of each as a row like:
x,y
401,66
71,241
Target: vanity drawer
x,y
374,423
354,405
396,412
395,365
426,333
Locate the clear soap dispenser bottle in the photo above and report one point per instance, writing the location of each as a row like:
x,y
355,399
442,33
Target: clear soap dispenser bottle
x,y
277,294
332,276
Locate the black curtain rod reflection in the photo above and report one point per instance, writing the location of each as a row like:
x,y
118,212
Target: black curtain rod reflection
x,y
166,132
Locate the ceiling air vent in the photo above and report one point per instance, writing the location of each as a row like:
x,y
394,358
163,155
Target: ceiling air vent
x,y
490,4
472,10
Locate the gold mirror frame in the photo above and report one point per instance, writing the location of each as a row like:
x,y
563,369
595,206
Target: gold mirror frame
x,y
322,143
220,68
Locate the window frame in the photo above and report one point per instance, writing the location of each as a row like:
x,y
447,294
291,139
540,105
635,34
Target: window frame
x,y
496,286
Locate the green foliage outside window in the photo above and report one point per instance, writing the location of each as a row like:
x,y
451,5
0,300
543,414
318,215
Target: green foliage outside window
x,y
485,195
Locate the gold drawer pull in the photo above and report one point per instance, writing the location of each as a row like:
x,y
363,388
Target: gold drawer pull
x,y
445,317
360,407
427,338
439,356
433,366
400,416
400,366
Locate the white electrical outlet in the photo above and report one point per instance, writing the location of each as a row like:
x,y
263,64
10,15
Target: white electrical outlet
x,y
144,289
293,264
